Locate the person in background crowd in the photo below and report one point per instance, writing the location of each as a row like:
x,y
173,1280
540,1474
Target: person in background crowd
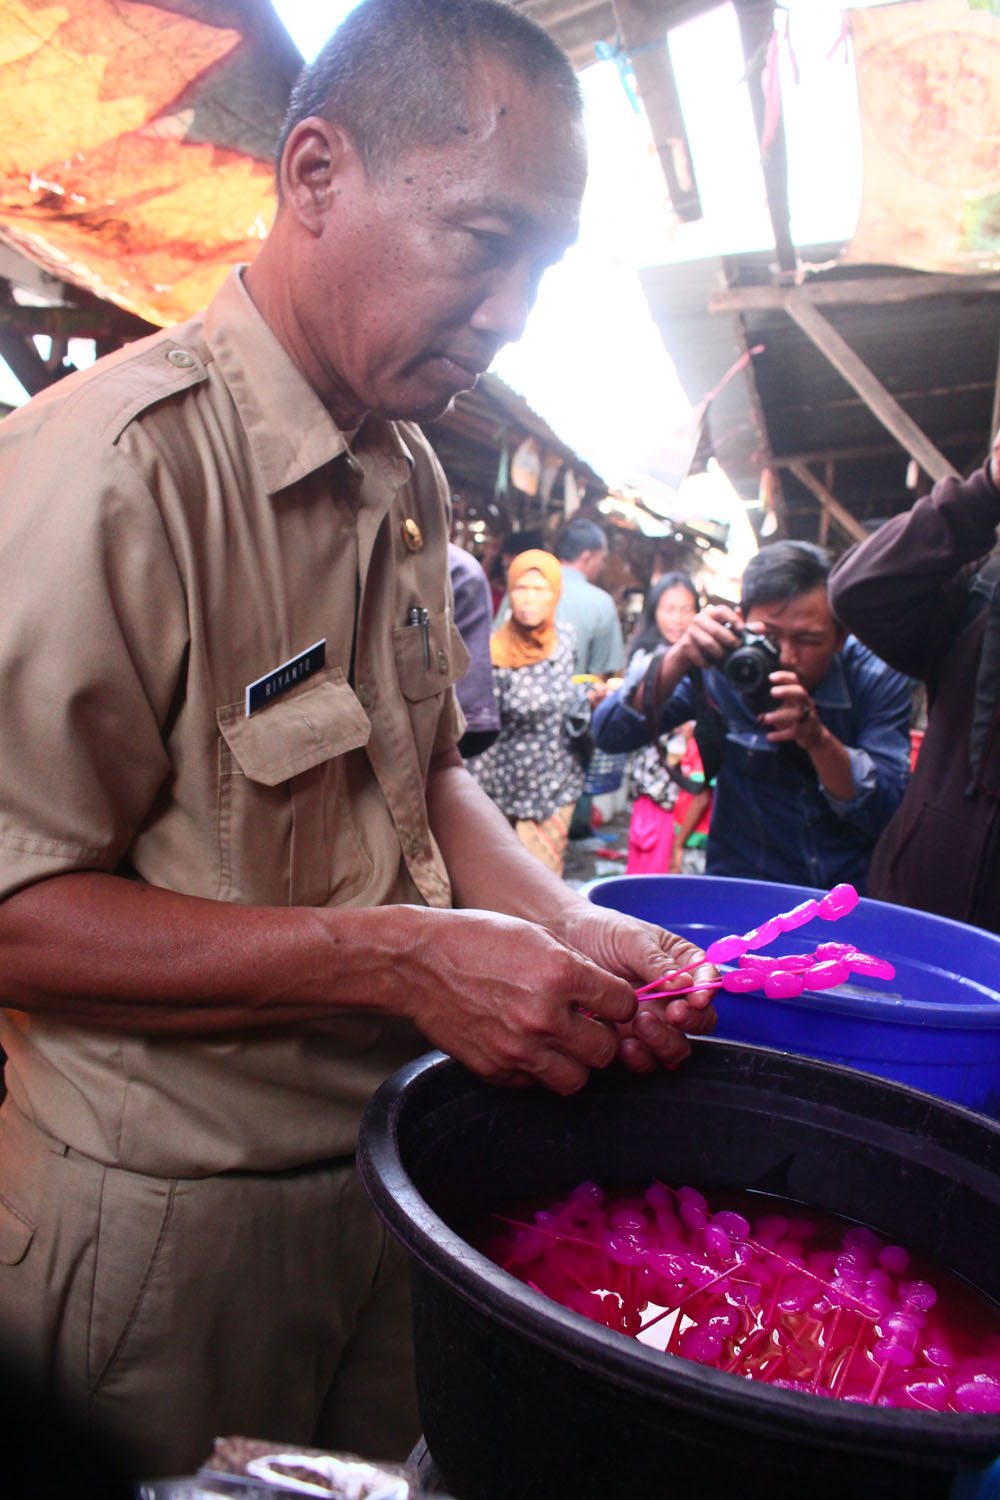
x,y
692,814
809,775
922,591
531,771
653,770
473,616
494,565
244,873
582,548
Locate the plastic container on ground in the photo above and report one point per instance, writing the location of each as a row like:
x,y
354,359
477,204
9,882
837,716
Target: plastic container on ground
x,y
936,1026
522,1397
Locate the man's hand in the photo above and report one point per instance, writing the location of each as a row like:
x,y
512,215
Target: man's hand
x,y
510,1001
518,1006
518,1002
640,952
794,718
795,721
710,636
994,464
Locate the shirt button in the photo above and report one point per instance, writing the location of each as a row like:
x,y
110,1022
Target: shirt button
x,y
182,359
442,663
364,695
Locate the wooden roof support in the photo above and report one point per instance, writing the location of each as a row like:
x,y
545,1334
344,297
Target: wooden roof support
x,y
860,291
831,505
872,392
643,30
26,363
756,21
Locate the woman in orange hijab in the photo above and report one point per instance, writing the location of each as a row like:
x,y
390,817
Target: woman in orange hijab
x,y
531,770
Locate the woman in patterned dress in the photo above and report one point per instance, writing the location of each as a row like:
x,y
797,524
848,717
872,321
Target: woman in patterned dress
x,y
531,770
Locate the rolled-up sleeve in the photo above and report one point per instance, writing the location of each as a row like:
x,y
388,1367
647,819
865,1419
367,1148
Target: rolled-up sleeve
x,y
617,726
880,749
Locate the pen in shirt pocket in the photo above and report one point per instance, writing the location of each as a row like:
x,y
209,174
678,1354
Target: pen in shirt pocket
x,y
420,617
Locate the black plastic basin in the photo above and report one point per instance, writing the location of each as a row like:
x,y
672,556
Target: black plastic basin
x,y
521,1398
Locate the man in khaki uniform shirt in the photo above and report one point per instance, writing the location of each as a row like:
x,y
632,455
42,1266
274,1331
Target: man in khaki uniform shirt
x,y
245,874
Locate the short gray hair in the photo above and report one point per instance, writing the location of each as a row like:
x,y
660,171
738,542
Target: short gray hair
x,y
395,72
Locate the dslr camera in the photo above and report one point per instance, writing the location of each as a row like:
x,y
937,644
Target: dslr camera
x,y
749,667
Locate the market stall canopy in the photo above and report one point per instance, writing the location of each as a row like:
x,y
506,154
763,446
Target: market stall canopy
x,y
877,371
867,376
137,169
135,160
492,422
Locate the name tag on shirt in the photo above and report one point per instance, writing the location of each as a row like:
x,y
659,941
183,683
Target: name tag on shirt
x,y
288,675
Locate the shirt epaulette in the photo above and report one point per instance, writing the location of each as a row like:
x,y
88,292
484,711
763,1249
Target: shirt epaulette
x,y
157,372
110,395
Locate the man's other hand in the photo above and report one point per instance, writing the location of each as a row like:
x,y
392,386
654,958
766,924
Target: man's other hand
x,y
641,952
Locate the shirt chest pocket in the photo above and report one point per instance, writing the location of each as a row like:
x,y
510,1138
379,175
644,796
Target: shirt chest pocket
x,y
428,662
287,834
429,658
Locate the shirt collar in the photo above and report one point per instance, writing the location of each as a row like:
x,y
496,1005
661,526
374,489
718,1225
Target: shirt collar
x,y
290,431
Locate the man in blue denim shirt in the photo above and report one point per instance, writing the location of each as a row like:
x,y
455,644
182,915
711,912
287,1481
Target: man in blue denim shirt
x,y
806,786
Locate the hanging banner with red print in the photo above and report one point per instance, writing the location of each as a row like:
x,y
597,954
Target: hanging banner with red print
x,y
929,93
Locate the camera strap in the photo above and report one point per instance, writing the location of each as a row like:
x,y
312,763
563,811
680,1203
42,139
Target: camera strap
x,y
647,703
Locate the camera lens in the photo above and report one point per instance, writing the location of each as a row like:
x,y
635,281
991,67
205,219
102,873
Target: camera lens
x,y
747,668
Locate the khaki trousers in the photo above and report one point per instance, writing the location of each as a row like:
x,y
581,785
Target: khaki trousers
x,y
165,1313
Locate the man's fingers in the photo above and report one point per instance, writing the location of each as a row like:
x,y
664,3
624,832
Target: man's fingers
x,y
561,1074
695,1020
593,1043
668,1045
608,998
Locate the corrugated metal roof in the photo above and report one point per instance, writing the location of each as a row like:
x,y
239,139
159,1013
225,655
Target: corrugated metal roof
x,y
936,355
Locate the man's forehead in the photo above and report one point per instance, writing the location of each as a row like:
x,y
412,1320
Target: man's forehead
x,y
525,123
813,604
531,191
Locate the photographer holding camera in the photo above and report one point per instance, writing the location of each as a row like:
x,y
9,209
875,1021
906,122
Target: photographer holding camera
x,y
812,754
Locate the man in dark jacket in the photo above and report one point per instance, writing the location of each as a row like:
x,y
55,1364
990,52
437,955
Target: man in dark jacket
x,y
922,593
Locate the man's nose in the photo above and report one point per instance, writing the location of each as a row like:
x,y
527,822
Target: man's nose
x,y
504,310
789,656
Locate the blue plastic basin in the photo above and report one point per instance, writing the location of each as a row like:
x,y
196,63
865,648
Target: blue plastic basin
x,y
936,1026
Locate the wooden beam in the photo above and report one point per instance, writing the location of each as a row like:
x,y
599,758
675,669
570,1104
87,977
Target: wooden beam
x,y
551,13
872,392
26,363
756,22
643,30
831,505
860,291
971,440
56,322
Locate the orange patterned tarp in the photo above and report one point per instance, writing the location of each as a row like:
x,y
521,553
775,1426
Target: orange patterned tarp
x,y
929,92
135,155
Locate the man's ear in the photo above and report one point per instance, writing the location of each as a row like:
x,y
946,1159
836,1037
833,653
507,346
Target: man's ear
x,y
312,163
